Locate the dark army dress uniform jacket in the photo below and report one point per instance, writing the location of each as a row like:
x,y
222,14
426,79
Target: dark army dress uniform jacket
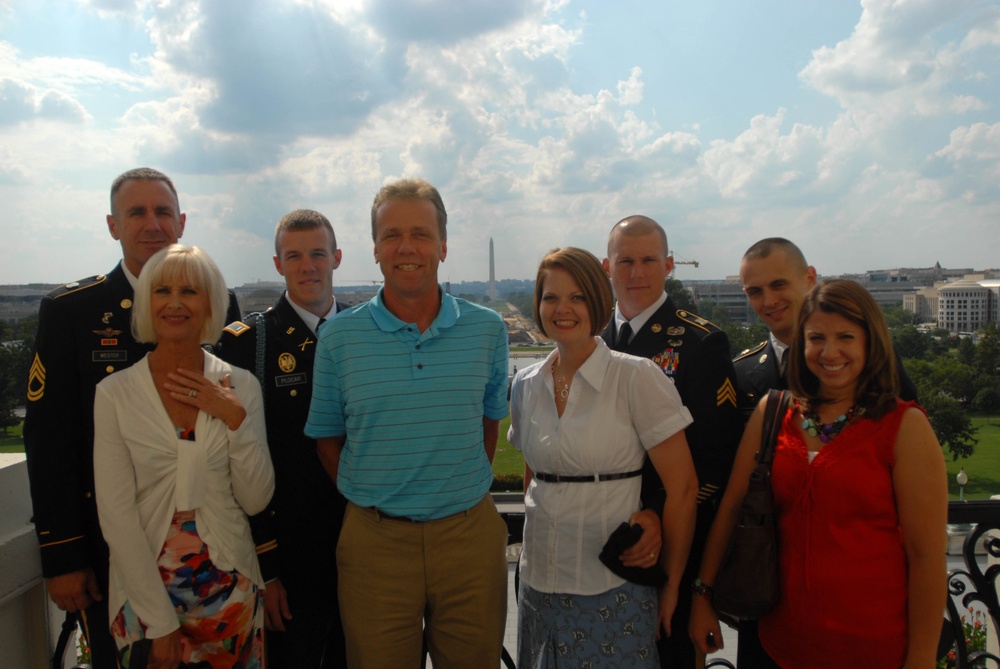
x,y
695,354
297,535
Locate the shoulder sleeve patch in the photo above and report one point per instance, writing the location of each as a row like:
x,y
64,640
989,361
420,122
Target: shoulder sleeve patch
x,y
76,286
751,351
696,320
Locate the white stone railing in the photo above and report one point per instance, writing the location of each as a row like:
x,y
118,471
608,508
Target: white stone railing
x,y
28,622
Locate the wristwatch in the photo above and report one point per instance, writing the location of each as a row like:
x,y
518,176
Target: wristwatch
x,y
700,589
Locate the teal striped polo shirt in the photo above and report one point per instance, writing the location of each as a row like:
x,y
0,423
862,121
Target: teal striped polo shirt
x,y
411,404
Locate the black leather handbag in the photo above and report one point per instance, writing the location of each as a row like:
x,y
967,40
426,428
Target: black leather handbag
x,y
746,586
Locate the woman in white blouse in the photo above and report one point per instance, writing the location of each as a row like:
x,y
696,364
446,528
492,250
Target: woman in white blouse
x,y
585,418
180,459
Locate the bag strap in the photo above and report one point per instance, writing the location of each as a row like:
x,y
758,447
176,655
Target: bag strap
x,y
774,412
68,628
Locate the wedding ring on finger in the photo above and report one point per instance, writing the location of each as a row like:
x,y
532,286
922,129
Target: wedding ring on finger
x,y
192,393
652,556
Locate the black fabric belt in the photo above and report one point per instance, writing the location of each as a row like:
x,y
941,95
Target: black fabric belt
x,y
590,478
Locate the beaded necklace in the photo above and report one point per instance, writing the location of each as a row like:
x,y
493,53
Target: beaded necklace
x,y
827,431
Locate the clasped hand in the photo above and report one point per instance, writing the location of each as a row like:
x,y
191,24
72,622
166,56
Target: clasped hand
x,y
216,399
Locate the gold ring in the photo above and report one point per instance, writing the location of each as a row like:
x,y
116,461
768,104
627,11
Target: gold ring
x,y
652,556
192,393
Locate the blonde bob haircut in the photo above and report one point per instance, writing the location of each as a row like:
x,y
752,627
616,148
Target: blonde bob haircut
x,y
588,274
188,265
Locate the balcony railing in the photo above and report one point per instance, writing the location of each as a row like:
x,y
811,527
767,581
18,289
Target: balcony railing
x,y
969,585
25,626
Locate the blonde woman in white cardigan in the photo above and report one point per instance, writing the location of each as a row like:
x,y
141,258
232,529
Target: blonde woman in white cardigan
x,y
180,459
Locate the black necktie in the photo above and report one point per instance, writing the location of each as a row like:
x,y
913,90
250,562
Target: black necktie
x,y
320,324
783,370
624,335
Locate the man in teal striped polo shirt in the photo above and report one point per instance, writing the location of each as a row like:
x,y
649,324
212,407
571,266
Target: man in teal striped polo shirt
x,y
408,393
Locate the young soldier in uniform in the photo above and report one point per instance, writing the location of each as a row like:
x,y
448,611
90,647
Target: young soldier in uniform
x,y
297,535
85,334
695,354
776,280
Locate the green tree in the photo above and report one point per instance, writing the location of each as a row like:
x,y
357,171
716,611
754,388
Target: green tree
x,y
714,312
951,424
13,377
744,337
896,316
525,303
681,296
988,351
966,351
987,401
943,374
910,342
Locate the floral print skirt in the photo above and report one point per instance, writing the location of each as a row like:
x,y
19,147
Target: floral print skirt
x,y
612,630
221,613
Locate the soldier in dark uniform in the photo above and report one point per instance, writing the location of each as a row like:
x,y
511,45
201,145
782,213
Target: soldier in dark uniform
x,y
695,354
84,334
776,279
297,535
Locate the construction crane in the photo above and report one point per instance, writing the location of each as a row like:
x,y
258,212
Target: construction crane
x,y
682,262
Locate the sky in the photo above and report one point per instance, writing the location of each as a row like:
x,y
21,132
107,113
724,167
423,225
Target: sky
x,y
868,133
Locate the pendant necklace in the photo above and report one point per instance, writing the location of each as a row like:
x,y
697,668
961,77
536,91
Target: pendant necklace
x,y
564,391
827,431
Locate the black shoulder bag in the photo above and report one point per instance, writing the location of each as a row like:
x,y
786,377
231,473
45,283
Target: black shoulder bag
x,y
746,586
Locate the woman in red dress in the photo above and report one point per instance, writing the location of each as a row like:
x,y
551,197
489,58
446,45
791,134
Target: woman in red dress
x,y
861,495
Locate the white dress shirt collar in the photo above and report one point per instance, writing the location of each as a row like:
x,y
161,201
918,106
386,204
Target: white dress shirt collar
x,y
641,318
309,318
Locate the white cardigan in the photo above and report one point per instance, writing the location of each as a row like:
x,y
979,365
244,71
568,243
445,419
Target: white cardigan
x,y
143,472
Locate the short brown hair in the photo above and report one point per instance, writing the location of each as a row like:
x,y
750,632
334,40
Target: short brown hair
x,y
589,275
766,247
878,383
141,174
303,219
412,189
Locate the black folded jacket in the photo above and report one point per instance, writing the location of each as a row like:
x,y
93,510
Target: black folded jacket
x,y
621,539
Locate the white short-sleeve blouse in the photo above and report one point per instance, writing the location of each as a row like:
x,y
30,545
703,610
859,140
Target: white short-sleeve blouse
x,y
618,407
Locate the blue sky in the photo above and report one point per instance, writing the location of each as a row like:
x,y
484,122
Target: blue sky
x,y
867,132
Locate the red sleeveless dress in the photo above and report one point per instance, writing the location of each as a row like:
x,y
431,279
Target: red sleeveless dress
x,y
842,562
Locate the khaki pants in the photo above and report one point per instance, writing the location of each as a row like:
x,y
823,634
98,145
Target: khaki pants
x,y
397,577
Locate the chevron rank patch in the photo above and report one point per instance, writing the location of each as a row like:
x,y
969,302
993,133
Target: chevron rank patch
x,y
725,393
36,380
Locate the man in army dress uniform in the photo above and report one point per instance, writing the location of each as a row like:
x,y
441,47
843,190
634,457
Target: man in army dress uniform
x,y
297,535
776,280
695,354
84,334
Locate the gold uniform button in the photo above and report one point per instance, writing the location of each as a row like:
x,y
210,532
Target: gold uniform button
x,y
109,369
294,393
88,495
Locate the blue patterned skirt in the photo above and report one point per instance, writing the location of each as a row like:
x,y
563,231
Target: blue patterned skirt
x,y
613,630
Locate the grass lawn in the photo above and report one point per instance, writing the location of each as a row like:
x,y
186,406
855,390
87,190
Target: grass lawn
x,y
983,468
508,460
11,442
